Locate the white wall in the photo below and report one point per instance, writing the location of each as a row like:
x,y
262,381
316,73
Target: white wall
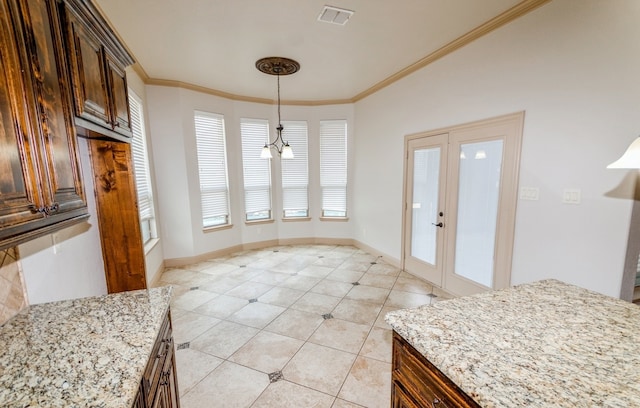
x,y
72,268
176,169
573,66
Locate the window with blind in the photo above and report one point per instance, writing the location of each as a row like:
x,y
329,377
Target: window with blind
x,y
141,169
295,172
212,169
333,167
257,171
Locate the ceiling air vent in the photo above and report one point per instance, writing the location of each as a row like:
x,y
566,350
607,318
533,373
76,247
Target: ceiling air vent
x,y
335,15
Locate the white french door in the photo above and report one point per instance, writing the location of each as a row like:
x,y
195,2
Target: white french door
x,y
460,197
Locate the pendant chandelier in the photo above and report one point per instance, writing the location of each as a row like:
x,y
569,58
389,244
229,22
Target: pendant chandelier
x,y
277,66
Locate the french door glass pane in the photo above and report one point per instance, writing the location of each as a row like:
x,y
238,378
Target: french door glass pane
x,y
426,169
478,194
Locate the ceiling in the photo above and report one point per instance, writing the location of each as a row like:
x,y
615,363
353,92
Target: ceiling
x,y
214,44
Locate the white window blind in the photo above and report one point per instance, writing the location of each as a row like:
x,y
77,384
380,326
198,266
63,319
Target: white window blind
x,y
141,168
295,172
212,168
333,167
257,171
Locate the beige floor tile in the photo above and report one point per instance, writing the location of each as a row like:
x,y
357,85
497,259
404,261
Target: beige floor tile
x,y
378,345
221,284
352,265
404,300
413,285
249,290
188,326
318,367
368,384
384,269
192,366
379,281
316,303
229,386
219,268
192,299
380,320
224,339
244,273
267,352
271,278
256,314
295,264
296,324
279,296
332,288
222,306
345,275
341,335
357,311
179,276
329,262
284,394
340,403
316,271
300,282
368,294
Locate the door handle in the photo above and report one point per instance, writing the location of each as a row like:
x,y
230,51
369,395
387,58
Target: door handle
x,y
440,224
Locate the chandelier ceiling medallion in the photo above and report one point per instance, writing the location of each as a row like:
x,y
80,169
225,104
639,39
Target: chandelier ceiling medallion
x,y
277,66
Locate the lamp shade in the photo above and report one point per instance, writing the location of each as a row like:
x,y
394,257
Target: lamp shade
x,y
630,159
266,153
287,152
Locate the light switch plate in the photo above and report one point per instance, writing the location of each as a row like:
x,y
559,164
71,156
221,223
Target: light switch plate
x,y
529,193
571,196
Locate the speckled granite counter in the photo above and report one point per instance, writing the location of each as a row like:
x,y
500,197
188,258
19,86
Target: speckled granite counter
x,y
80,353
545,344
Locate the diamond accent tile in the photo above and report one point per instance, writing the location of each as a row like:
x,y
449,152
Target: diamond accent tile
x,y
194,288
355,283
327,316
183,346
253,300
275,376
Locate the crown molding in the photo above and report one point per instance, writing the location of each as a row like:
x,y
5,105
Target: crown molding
x,y
506,17
500,20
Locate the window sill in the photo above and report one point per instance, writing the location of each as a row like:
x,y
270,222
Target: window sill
x,y
339,219
296,219
258,222
217,228
150,244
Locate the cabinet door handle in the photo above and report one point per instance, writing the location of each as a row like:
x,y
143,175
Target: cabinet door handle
x,y
440,224
435,403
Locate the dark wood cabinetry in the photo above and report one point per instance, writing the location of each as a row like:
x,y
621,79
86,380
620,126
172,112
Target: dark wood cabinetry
x,y
98,64
40,180
418,383
118,218
159,388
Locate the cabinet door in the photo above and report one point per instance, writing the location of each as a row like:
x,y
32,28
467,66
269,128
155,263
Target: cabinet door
x,y
19,195
118,218
64,192
118,92
167,394
87,72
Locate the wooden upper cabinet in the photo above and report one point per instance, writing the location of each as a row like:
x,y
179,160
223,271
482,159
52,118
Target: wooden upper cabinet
x,y
40,182
97,62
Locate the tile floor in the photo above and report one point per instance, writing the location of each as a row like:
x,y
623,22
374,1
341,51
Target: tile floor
x,y
288,326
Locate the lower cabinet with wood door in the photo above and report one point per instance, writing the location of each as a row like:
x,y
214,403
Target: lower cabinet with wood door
x,y
159,387
416,383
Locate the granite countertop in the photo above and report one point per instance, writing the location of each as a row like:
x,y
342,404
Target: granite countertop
x,y
88,352
544,344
